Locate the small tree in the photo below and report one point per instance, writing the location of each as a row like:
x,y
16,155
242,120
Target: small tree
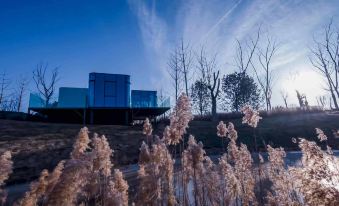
x,y
322,102
240,89
185,63
46,88
4,84
200,97
264,72
20,92
284,95
302,99
175,71
210,77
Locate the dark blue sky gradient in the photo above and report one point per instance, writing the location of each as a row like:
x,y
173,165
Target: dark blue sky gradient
x,y
78,36
136,37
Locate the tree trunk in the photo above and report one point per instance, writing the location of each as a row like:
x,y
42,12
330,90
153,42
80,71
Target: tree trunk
x,y
333,95
186,83
334,100
214,108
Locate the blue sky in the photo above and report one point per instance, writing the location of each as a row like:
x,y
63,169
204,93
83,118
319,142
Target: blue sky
x,y
135,37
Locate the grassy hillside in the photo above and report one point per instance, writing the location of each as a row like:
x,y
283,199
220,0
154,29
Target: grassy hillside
x,y
275,130
36,146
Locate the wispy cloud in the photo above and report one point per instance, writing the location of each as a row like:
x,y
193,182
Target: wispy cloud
x,y
216,24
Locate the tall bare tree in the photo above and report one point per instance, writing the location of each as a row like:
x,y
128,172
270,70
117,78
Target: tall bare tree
x,y
4,84
185,59
263,71
284,95
175,72
325,58
211,77
45,87
20,92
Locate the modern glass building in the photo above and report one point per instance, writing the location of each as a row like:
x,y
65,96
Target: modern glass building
x,y
107,100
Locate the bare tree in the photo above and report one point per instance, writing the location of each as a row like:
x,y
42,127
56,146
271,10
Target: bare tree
x,y
4,84
325,58
46,88
265,75
9,104
175,71
321,100
284,95
185,59
245,53
20,92
211,77
302,99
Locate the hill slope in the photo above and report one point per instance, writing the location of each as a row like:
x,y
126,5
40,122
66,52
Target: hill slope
x,y
36,146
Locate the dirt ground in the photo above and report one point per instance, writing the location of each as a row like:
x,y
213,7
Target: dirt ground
x,y
36,146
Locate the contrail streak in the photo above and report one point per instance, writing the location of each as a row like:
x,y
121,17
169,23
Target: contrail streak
x,y
220,21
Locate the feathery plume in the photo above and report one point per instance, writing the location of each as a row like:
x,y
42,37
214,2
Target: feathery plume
x,y
321,135
34,196
294,140
81,144
179,120
71,183
147,128
232,133
155,175
102,152
221,129
251,116
243,170
76,173
318,179
6,168
117,190
144,155
192,163
281,181
53,177
329,150
261,159
229,181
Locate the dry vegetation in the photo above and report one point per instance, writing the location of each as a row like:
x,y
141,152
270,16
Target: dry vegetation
x,y
86,178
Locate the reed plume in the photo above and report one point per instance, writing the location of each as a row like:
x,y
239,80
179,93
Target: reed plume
x,y
179,120
6,168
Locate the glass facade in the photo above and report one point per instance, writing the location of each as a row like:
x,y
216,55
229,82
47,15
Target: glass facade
x,y
144,99
72,97
104,91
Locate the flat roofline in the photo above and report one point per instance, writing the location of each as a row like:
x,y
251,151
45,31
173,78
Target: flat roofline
x,y
141,90
109,73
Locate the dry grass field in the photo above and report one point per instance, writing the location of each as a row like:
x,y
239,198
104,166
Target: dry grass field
x,y
36,146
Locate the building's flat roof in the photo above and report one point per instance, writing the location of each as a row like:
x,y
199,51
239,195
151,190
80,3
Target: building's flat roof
x,y
109,74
